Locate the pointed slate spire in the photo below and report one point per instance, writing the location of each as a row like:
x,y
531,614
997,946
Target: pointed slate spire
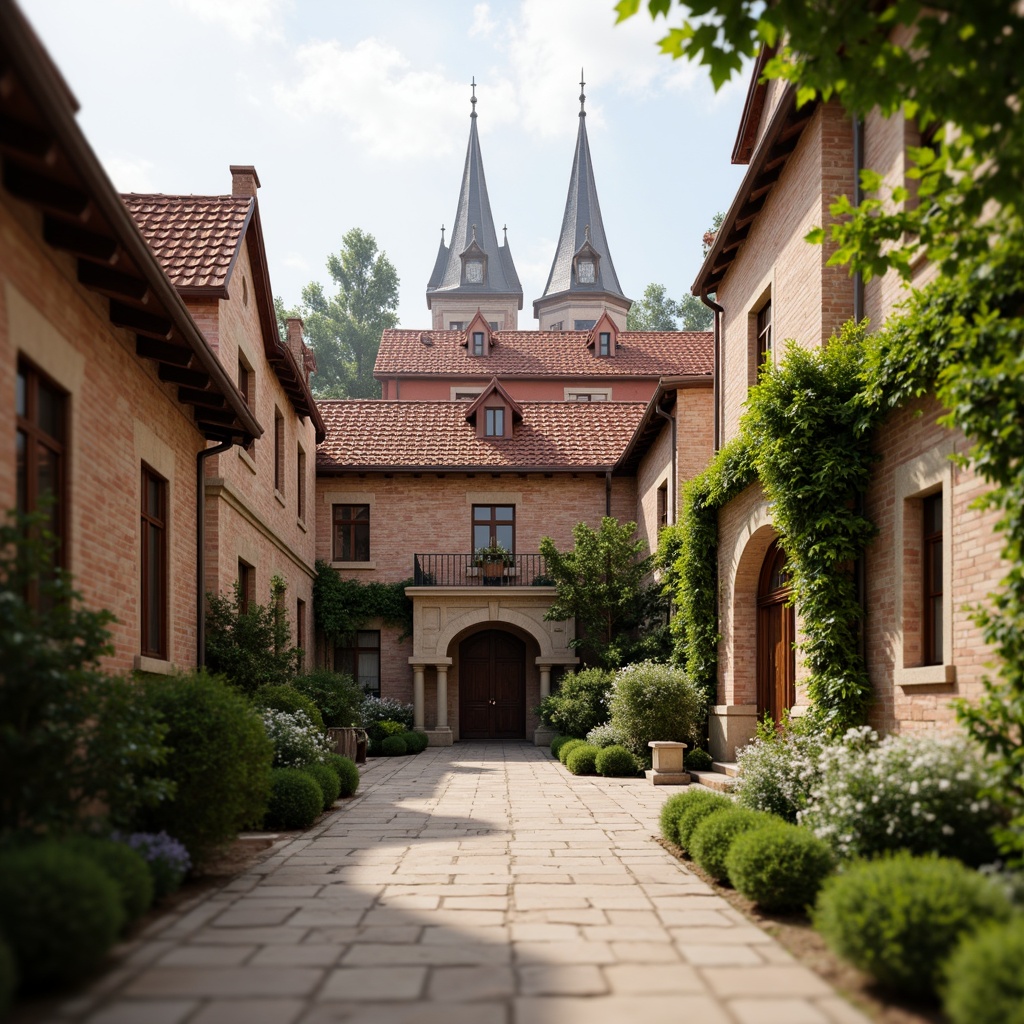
x,y
582,239
473,263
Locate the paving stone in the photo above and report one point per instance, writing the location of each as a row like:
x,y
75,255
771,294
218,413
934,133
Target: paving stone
x,y
409,1013
307,954
561,980
652,979
616,1009
152,1011
768,980
373,984
206,956
471,984
225,981
777,1011
249,1011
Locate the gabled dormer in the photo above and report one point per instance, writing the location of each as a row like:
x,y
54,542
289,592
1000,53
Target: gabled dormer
x,y
495,412
586,261
604,338
474,263
479,337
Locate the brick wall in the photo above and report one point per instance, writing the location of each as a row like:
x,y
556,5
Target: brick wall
x,y
531,389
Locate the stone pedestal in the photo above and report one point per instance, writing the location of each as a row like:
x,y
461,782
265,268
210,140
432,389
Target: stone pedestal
x,y
543,735
440,737
667,758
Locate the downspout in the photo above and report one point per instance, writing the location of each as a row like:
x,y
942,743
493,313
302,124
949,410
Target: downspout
x,y
719,312
672,504
860,568
201,458
607,492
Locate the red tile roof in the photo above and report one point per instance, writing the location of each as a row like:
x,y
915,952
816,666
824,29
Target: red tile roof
x,y
196,238
372,434
545,354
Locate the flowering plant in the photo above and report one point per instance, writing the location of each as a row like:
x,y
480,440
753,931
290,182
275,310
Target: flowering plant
x,y
381,709
779,768
167,859
297,741
651,701
918,793
493,553
603,736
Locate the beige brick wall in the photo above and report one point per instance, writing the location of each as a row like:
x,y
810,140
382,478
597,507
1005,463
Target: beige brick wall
x,y
119,416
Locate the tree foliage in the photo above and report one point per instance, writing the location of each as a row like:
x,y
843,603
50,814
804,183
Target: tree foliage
x,y
654,312
605,583
344,330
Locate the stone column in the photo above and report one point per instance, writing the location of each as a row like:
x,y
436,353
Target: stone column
x,y
442,696
545,681
417,697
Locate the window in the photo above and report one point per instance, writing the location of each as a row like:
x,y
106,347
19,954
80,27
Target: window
x,y
300,484
494,524
588,394
154,564
351,533
583,325
478,343
494,424
493,324
360,657
456,325
663,505
474,271
460,395
931,559
278,452
764,335
604,343
585,271
556,327
246,586
300,631
246,384
40,440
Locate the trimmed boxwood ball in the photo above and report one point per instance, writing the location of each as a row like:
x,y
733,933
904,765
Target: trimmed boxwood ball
x,y
567,748
582,759
615,762
557,743
985,977
327,779
393,746
415,742
899,918
8,978
703,804
125,867
713,837
697,760
295,799
347,772
59,911
287,698
781,867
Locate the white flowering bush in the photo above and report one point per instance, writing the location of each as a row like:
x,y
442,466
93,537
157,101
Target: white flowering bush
x,y
602,736
297,741
654,702
779,769
386,709
917,793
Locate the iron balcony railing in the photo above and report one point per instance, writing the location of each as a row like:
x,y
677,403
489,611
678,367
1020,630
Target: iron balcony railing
x,y
468,571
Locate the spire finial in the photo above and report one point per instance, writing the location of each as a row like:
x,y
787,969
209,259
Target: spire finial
x,y
586,232
583,96
473,98
442,234
504,228
474,232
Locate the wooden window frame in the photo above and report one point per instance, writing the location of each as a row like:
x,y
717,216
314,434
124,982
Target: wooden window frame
x,y
663,505
492,522
153,521
932,647
246,585
763,335
349,523
278,451
350,652
604,344
494,421
300,631
300,483
479,343
247,386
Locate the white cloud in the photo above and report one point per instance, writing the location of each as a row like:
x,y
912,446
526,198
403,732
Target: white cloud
x,y
130,173
244,19
390,106
483,24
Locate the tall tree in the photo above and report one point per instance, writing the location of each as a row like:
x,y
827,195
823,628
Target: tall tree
x,y
344,330
654,312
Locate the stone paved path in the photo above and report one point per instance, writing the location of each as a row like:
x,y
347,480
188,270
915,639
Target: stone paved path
x,y
478,884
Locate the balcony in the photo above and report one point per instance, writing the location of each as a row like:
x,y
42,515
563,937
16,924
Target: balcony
x,y
462,571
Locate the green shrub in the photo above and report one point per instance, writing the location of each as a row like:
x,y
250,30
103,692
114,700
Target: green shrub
x,y
295,799
379,731
347,772
703,804
712,839
898,918
615,762
582,759
567,748
336,694
125,867
393,746
670,811
780,867
579,704
279,697
984,979
60,912
219,762
697,760
386,709
905,792
654,702
557,743
779,768
8,978
327,779
415,742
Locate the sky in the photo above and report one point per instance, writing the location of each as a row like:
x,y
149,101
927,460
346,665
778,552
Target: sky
x,y
357,115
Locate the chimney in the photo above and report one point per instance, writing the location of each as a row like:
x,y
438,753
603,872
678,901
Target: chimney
x,y
293,328
244,180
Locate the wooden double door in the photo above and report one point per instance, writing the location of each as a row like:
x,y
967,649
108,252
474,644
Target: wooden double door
x,y
492,687
776,633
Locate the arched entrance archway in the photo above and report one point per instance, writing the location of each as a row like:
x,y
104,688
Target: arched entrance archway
x,y
776,631
492,686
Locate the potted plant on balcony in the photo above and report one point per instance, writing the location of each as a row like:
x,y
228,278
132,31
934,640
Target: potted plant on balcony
x,y
492,560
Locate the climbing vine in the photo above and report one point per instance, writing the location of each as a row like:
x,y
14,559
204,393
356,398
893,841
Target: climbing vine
x,y
342,606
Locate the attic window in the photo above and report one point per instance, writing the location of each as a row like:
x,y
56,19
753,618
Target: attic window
x,y
456,325
583,325
478,343
585,271
474,272
494,424
604,343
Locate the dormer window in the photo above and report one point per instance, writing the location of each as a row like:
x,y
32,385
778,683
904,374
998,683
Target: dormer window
x,y
585,271
479,343
585,260
603,337
474,262
474,272
494,422
604,343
